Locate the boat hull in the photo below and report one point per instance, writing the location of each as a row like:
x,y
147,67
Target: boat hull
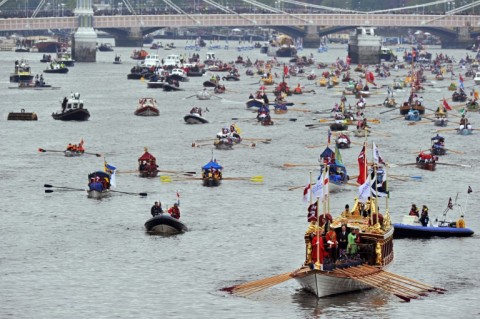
x,y
322,284
427,166
338,127
147,111
15,78
68,153
464,131
148,173
254,103
60,70
194,119
97,194
211,182
72,115
412,231
164,224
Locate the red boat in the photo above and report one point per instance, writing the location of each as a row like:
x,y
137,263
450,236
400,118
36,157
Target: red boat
x,y
147,107
49,45
139,54
426,160
147,165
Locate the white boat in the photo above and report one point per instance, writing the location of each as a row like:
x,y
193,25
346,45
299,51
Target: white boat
x,y
172,60
152,60
204,95
476,79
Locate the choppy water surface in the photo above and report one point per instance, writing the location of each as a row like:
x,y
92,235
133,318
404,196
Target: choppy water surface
x,y
66,256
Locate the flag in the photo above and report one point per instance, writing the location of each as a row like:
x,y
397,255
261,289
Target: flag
x,y
376,155
446,105
329,136
362,162
364,191
377,184
338,156
306,193
321,186
178,198
285,69
469,190
110,169
450,204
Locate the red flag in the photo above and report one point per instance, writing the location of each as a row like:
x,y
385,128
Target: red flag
x,y
306,191
285,70
362,161
446,105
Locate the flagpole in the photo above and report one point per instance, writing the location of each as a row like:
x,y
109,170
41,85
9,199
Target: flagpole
x,y
466,201
325,194
376,193
311,191
317,263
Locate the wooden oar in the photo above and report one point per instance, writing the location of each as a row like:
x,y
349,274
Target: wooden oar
x,y
298,165
178,172
397,117
445,130
393,109
62,187
255,179
56,151
295,187
373,283
189,96
454,151
258,285
457,165
129,193
64,190
200,145
419,122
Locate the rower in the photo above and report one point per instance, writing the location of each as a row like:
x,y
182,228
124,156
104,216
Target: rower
x,y
156,209
174,211
464,123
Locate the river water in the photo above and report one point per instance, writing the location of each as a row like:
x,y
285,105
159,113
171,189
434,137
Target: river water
x,y
63,255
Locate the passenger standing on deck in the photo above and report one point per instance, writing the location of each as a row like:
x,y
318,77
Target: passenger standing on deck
x,y
424,216
353,239
156,209
342,241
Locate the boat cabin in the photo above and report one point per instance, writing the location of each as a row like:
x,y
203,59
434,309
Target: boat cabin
x,y
179,72
152,60
211,56
74,102
172,60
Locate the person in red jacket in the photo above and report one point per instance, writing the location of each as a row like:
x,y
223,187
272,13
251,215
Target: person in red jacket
x,y
318,249
174,211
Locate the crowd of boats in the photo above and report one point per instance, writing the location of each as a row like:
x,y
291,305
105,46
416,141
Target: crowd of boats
x,y
343,253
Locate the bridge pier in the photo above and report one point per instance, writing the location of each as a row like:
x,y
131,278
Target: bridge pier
x,y
84,40
364,46
312,39
133,38
463,40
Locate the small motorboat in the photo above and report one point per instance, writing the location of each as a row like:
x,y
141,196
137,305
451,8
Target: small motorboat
x,y
22,72
72,109
105,47
165,224
54,67
255,103
147,107
65,58
411,226
195,116
139,55
167,87
117,60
